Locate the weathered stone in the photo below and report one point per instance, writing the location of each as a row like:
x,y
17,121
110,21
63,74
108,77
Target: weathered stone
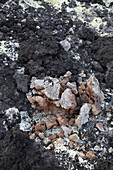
x,y
40,126
74,137
61,118
90,155
41,101
68,100
50,121
60,141
67,130
52,88
46,141
95,87
63,81
72,121
37,83
61,134
73,87
84,115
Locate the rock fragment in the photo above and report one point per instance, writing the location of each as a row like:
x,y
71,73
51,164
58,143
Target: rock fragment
x,y
72,121
68,100
90,155
40,127
65,44
74,137
41,135
84,115
61,118
50,121
52,88
67,130
46,141
37,83
73,87
51,137
60,141
68,74
41,101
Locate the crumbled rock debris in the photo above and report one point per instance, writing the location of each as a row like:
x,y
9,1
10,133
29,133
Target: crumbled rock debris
x,y
38,27
59,128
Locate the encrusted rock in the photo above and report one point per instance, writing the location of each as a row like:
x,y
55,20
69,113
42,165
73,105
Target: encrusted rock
x,y
74,137
73,87
68,100
90,155
61,118
67,130
52,88
60,141
37,83
84,115
50,121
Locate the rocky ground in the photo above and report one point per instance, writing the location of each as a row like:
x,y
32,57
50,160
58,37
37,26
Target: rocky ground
x,y
49,38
